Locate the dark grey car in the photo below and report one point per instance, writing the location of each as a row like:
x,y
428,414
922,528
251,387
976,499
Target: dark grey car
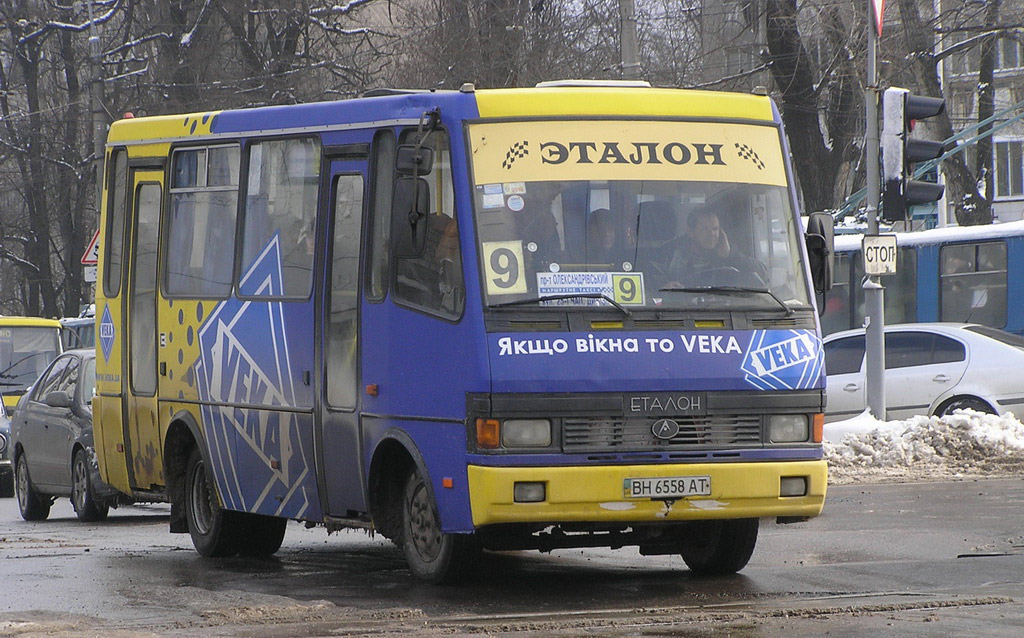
x,y
52,442
6,468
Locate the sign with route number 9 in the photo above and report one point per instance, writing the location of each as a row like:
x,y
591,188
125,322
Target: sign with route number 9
x,y
503,267
628,289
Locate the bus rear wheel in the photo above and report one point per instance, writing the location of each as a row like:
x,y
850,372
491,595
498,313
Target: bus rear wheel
x,y
719,547
432,555
214,531
263,534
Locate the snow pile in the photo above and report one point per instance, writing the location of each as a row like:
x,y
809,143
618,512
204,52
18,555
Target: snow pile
x,y
966,443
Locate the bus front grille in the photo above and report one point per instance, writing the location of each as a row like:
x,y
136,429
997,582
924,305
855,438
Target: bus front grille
x,y
590,434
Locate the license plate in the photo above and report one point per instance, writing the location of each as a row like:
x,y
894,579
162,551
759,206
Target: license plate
x,y
666,487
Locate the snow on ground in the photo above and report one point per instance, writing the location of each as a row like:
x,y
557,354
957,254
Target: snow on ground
x,y
966,444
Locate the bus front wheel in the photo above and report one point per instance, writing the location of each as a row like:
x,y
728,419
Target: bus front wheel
x,y
719,547
432,555
212,529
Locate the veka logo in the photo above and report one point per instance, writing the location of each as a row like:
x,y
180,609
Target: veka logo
x,y
635,153
107,333
783,360
516,151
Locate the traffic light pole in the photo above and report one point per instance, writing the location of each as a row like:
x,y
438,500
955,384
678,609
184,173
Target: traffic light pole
x,y
874,293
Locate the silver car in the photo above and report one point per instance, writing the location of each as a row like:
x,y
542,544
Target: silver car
x,y
930,369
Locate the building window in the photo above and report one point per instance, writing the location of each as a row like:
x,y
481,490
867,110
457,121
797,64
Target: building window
x,y
1010,55
1009,168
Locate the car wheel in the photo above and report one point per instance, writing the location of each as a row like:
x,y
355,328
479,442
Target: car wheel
x,y
432,555
965,403
87,507
214,531
263,534
33,505
719,547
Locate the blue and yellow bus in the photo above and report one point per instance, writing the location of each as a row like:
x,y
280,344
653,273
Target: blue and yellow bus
x,y
464,319
956,273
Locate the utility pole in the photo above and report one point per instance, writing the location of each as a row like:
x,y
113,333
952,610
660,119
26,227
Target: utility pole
x,y
99,126
874,292
627,41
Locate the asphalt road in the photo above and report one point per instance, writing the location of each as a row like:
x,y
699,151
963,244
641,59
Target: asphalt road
x,y
933,559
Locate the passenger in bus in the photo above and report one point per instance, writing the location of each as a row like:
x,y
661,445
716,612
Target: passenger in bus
x,y
538,228
705,256
609,246
656,230
297,262
450,290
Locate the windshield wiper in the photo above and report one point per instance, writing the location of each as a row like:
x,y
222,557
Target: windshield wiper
x,y
580,295
729,290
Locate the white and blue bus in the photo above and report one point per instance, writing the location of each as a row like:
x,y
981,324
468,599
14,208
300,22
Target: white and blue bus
x,y
958,273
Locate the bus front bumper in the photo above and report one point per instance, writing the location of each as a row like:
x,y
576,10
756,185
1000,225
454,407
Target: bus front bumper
x,y
598,494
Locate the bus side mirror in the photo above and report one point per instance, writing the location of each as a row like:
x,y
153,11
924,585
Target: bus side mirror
x,y
413,159
820,242
409,216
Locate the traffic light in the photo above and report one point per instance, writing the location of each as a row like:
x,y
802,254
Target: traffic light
x,y
899,152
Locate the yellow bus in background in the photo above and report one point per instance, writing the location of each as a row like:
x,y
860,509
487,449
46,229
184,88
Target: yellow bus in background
x,y
27,346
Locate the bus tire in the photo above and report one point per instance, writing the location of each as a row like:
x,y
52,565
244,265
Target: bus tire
x,y
33,505
87,507
259,535
719,547
432,555
213,529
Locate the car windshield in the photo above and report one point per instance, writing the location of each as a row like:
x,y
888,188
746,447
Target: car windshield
x,y
88,380
673,239
1002,336
24,354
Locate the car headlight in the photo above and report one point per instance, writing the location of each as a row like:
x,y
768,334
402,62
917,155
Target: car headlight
x,y
526,433
787,428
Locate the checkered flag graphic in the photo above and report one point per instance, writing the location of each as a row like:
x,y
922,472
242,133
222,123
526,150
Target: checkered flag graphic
x,y
517,150
748,153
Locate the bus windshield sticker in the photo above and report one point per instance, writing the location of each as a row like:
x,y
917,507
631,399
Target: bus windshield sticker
x,y
625,288
515,188
503,267
505,152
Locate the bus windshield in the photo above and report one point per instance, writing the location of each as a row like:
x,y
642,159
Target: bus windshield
x,y
688,234
24,354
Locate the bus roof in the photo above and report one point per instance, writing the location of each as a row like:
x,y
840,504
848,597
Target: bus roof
x,y
548,101
846,243
31,322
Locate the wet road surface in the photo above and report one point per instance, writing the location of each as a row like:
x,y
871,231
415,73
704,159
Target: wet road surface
x,y
915,560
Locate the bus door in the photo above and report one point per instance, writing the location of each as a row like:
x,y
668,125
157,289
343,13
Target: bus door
x,y
338,447
139,374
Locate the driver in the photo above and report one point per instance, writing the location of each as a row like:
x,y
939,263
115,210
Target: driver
x,y
706,251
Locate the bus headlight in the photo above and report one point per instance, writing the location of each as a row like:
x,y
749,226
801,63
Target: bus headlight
x,y
3,443
526,433
787,428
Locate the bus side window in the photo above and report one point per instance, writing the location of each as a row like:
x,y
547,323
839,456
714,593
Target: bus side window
x,y
280,204
433,280
383,180
342,329
973,283
113,243
201,222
